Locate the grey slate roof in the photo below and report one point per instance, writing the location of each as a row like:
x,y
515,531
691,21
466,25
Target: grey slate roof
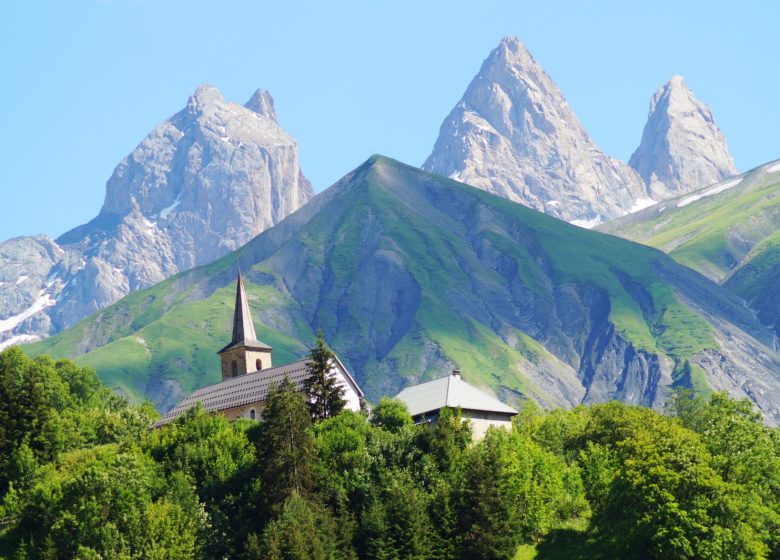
x,y
450,391
247,389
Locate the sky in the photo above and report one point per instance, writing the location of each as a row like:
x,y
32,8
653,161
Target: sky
x,y
84,81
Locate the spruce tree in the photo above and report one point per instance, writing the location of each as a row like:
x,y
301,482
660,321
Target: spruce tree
x,y
286,449
326,395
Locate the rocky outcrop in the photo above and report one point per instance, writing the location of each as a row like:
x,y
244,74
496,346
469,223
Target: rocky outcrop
x,y
513,134
201,184
681,149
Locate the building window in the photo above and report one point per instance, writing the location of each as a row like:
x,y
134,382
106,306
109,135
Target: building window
x,y
252,414
258,364
234,368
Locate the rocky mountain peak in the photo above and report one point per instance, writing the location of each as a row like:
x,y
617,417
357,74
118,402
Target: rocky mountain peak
x,y
201,184
262,103
204,97
513,134
681,148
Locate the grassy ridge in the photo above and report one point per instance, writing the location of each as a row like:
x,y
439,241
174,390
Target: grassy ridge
x,y
716,234
406,272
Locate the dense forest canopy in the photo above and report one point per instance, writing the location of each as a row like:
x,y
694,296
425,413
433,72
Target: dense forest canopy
x,y
82,477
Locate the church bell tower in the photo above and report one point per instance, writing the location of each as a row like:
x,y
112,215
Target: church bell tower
x,y
245,354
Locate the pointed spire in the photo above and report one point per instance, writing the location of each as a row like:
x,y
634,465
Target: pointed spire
x,y
243,327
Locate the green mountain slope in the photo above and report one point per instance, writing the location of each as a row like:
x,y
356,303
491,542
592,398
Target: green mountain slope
x,y
410,274
732,236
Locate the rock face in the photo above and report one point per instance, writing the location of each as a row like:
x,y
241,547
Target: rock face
x,y
681,148
513,134
201,184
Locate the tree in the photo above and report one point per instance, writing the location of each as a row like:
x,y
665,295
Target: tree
x,y
326,395
286,451
303,530
485,508
390,414
666,500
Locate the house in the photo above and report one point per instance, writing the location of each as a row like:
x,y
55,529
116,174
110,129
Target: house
x,y
248,373
425,400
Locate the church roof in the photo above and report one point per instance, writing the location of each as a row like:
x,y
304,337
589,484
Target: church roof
x,y
452,392
251,344
243,326
248,389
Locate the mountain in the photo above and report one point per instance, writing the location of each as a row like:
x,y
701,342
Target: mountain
x,y
410,274
513,134
681,147
200,185
729,231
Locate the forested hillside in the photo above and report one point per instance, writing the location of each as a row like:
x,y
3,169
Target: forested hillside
x,y
81,477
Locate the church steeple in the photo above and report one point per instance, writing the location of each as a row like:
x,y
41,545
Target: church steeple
x,y
245,353
243,327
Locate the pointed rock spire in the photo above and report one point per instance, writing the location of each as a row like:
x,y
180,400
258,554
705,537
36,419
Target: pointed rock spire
x,y
243,327
682,148
513,134
262,103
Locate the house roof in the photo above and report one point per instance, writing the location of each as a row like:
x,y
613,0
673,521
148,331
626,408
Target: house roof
x,y
249,388
450,391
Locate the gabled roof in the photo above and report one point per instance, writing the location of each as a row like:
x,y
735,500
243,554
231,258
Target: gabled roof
x,y
249,388
452,392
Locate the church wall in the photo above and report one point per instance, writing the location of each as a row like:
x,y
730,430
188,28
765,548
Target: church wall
x,y
243,411
350,396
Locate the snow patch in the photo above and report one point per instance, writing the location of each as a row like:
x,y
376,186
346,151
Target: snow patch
x,y
455,175
709,192
587,224
43,301
553,203
21,279
774,168
641,204
18,339
661,209
168,209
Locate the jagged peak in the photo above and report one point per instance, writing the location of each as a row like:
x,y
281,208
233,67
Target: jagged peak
x,y
262,103
204,95
511,53
681,148
674,94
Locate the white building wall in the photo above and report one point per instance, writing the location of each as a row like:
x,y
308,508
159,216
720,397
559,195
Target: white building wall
x,y
481,421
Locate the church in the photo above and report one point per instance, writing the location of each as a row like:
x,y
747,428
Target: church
x,y
248,373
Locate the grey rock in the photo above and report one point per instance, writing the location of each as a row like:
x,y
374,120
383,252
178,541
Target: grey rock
x,y
200,185
682,148
513,134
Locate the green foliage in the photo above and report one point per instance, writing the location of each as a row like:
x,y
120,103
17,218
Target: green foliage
x,y
286,450
325,393
302,531
47,408
391,414
605,481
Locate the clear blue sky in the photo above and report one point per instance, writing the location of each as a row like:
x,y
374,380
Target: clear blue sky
x,y
84,81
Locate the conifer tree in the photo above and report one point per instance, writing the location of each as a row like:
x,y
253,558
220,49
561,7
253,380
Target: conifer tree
x,y
286,449
326,395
